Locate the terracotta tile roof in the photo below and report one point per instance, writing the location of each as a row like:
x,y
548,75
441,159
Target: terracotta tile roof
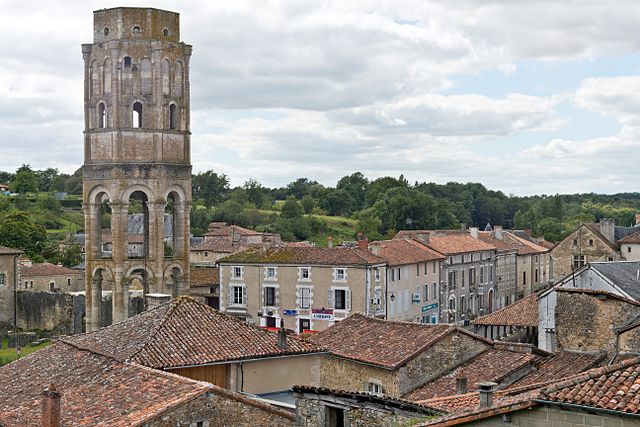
x,y
96,390
9,251
631,238
305,256
380,399
382,343
47,269
184,332
523,312
615,387
492,365
457,244
563,364
204,276
403,251
222,229
528,247
501,245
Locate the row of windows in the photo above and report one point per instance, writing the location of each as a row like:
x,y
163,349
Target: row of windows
x,y
136,116
338,299
485,276
479,256
135,30
304,273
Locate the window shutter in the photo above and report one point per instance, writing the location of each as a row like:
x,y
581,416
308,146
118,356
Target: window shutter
x,y
330,299
264,297
230,295
277,297
347,297
244,295
298,296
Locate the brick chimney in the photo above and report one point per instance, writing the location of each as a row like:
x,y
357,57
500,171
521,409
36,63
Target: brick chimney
x,y
474,232
363,241
282,337
497,232
486,393
461,383
51,399
329,241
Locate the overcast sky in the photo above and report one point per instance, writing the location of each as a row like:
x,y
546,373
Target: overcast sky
x,y
524,97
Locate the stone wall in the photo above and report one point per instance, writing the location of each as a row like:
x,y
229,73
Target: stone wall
x,y
312,412
446,354
586,322
550,417
63,313
223,408
343,374
629,341
562,254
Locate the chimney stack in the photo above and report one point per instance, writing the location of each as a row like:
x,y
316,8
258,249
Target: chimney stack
x,y
329,241
463,226
363,242
497,232
474,232
51,407
486,393
608,229
423,236
461,383
282,337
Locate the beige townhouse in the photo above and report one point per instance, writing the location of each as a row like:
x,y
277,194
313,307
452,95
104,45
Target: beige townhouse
x,y
534,265
302,288
413,278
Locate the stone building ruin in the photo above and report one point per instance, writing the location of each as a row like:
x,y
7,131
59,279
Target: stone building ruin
x,y
136,155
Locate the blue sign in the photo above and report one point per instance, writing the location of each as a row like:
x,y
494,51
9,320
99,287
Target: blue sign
x,y
289,312
429,307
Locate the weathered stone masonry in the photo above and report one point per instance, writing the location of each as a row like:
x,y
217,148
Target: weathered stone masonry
x,y
137,146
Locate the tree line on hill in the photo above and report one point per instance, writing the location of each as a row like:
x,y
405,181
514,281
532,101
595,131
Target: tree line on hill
x,y
307,210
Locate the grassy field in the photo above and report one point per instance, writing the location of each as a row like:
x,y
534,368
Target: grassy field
x,y
8,355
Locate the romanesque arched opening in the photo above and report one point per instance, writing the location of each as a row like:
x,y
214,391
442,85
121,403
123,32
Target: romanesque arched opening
x,y
138,225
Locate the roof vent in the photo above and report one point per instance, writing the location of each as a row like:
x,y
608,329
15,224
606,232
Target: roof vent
x,y
282,338
486,393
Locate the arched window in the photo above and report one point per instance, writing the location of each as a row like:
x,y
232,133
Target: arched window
x,y
137,115
102,116
166,32
173,116
127,61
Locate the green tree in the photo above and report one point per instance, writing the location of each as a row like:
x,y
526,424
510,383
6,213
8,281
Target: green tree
x,y
18,231
71,255
369,224
300,187
337,202
291,208
256,193
551,229
46,178
210,187
24,181
378,187
308,203
356,185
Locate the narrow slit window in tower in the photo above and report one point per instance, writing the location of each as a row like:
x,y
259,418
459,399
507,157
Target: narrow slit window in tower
x,y
172,116
137,115
102,116
127,61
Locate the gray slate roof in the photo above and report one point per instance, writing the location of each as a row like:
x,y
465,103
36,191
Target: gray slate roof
x,y
624,274
621,232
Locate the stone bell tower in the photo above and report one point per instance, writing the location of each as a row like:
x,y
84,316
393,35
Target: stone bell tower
x,y
137,166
